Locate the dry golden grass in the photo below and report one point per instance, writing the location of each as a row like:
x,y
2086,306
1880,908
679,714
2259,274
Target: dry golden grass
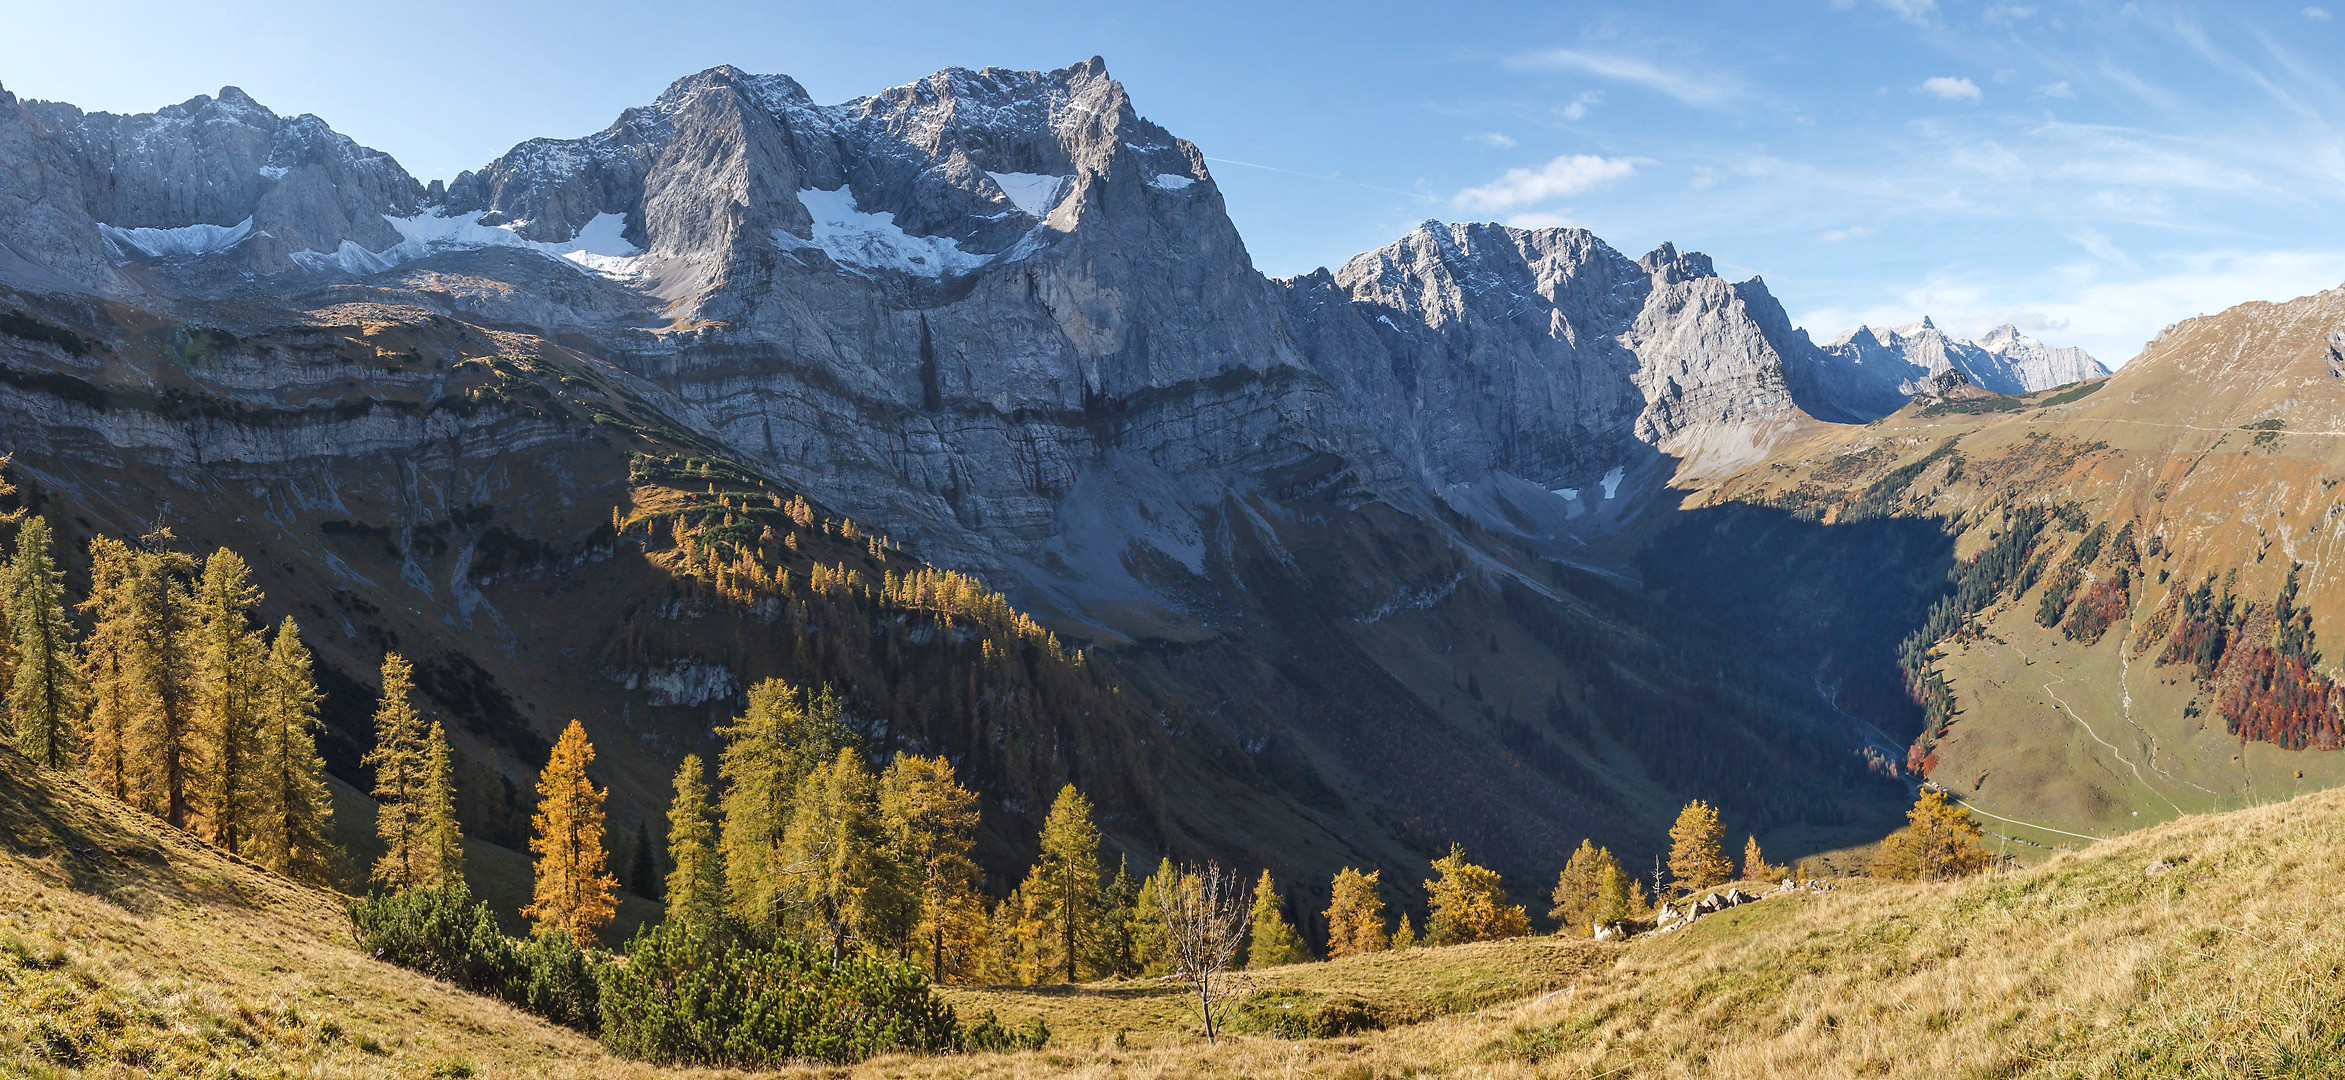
x,y
154,950
132,950
2225,963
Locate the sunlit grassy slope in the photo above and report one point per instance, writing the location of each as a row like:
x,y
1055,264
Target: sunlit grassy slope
x,y
2198,947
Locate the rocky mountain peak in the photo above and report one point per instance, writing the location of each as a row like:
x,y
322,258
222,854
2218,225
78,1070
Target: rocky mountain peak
x,y
1669,266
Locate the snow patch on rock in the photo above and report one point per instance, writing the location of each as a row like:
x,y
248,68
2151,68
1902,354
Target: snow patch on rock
x,y
1171,181
1035,193
184,240
598,248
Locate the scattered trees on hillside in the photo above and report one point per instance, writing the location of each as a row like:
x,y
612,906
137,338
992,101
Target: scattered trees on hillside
x,y
1939,841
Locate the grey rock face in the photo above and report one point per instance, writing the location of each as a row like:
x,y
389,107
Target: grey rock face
x,y
209,175
1543,355
1885,366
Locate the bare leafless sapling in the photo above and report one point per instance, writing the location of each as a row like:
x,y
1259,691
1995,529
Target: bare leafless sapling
x,y
1204,920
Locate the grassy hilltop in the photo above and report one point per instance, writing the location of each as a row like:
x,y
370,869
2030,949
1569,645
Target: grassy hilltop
x,y
2198,947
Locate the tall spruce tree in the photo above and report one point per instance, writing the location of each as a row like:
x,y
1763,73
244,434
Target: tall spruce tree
x,y
399,759
110,729
932,820
45,692
1271,940
696,874
166,745
228,659
293,812
575,892
782,737
439,840
1063,887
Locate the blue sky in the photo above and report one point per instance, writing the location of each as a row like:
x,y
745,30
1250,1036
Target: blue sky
x,y
2091,171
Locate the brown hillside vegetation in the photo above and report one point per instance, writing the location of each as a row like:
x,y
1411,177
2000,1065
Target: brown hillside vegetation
x,y
2170,597
2198,947
127,946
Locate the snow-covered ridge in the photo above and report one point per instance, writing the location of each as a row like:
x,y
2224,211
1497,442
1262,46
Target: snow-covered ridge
x,y
598,248
184,240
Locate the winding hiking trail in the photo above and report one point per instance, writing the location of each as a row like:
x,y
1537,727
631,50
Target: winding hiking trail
x,y
2088,729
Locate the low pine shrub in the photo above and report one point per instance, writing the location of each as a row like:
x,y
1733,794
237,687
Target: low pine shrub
x,y
447,934
727,995
989,1034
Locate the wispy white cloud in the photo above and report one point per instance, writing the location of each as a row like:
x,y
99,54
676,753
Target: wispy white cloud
x,y
2059,89
2316,14
1853,232
1917,12
1561,178
1951,88
1702,89
1576,110
1497,140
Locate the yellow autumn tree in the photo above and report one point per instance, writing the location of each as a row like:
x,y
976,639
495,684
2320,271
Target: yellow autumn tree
x,y
1469,903
399,759
1939,841
696,884
575,891
932,822
1697,856
1580,889
1755,866
1355,914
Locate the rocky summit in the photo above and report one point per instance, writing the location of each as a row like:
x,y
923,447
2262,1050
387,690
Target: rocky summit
x,y
1348,565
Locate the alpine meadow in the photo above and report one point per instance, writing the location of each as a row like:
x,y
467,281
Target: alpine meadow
x,y
901,588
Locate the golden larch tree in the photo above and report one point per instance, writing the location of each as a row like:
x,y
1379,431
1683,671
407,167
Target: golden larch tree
x,y
439,840
1355,914
575,893
837,874
109,729
1939,841
1063,889
399,759
932,821
1469,903
1755,866
1579,889
696,878
1697,856
1271,941
228,659
293,820
44,694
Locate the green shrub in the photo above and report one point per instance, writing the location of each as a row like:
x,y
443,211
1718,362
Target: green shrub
x,y
1302,1014
447,934
989,1033
727,995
